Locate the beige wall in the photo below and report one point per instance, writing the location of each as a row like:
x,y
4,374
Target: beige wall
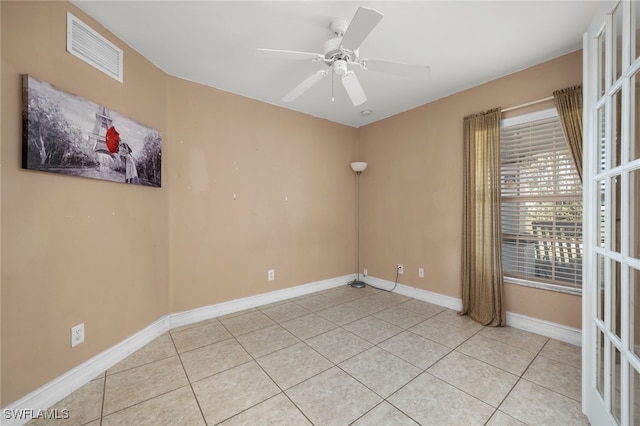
x,y
412,191
254,187
73,249
246,187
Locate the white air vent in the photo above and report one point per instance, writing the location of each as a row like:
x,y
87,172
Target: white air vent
x,y
86,44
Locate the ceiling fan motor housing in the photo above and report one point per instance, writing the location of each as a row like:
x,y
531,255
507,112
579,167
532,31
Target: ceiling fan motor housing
x,y
333,51
339,26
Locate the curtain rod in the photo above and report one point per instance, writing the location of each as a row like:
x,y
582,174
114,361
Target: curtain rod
x,y
550,98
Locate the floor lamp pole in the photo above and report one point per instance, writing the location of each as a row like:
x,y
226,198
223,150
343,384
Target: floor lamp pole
x,y
358,167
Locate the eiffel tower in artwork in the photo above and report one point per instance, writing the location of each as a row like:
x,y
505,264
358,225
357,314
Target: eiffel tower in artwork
x,y
98,135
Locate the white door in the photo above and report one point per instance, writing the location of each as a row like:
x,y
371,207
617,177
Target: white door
x,y
611,316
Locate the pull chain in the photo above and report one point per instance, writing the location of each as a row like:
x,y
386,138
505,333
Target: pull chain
x,y
332,98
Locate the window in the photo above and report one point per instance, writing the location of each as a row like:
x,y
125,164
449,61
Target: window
x,y
541,204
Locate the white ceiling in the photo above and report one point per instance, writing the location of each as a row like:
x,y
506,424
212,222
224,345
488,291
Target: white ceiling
x,y
465,43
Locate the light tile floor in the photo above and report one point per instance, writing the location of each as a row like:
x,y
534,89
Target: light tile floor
x,y
338,357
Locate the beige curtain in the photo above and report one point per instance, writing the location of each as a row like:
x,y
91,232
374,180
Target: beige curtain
x,y
482,281
569,106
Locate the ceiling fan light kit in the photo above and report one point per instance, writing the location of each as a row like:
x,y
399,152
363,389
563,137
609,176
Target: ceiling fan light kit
x,y
343,50
340,67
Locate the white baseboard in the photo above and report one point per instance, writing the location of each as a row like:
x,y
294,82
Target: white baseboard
x,y
416,293
550,329
219,309
545,328
54,391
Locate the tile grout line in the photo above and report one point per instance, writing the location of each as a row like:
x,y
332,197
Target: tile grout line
x,y
193,392
520,377
104,392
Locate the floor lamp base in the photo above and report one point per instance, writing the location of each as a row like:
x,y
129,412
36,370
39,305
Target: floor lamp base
x,y
357,284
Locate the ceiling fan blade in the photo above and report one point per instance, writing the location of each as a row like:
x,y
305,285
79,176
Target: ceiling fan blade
x,y
305,85
287,54
398,68
354,89
363,22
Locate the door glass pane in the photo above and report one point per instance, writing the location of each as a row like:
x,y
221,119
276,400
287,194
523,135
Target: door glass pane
x,y
635,29
634,311
634,145
634,214
615,298
602,160
635,397
602,214
615,384
615,213
617,42
617,129
600,362
600,287
601,62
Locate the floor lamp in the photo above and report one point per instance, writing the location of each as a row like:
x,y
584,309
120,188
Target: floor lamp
x,y
358,167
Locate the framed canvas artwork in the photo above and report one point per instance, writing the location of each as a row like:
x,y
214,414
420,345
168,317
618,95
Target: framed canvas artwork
x,y
64,133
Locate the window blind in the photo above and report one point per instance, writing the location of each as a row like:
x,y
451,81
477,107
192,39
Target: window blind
x,y
541,204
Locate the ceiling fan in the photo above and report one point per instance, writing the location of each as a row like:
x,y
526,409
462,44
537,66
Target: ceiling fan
x,y
341,52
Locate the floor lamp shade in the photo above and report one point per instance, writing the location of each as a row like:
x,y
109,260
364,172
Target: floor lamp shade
x,y
358,167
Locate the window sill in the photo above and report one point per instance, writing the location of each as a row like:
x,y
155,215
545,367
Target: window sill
x,y
543,286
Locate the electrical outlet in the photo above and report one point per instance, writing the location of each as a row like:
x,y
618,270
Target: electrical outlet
x,y
365,272
271,274
421,272
77,335
400,269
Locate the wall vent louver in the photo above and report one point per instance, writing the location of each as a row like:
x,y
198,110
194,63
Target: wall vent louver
x,y
86,44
